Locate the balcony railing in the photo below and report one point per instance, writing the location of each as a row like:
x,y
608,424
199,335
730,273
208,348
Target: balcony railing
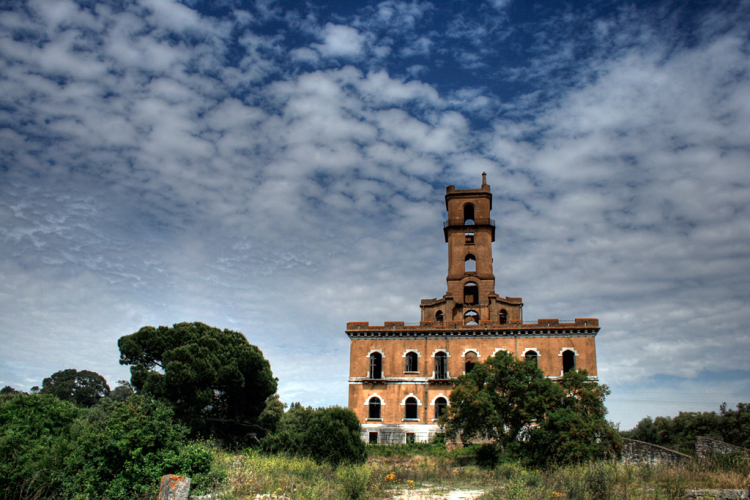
x,y
475,222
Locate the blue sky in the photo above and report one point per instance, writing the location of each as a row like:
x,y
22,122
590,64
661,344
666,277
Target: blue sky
x,y
278,168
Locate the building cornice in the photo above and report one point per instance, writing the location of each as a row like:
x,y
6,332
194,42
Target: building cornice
x,y
580,327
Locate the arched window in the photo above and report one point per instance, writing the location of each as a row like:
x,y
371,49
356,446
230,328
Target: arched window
x,y
569,361
503,317
440,405
439,317
470,358
532,357
411,407
411,361
468,213
376,365
471,293
470,264
471,318
441,365
373,408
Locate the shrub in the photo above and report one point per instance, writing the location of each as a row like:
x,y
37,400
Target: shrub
x,y
121,450
31,426
354,480
329,435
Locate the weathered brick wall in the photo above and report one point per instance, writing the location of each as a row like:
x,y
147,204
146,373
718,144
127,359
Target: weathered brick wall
x,y
705,446
639,452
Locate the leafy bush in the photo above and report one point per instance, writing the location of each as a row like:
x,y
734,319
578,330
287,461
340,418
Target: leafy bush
x,y
30,428
51,448
121,450
329,435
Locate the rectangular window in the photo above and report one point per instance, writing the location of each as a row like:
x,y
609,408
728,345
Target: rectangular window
x,y
410,437
373,438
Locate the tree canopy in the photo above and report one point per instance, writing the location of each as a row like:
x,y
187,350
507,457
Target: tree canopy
x,y
215,379
499,399
730,426
510,401
84,388
575,429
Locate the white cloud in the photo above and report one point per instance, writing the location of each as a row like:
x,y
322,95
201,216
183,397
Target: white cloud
x,y
340,41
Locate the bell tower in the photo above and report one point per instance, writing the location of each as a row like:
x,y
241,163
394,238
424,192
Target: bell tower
x,y
469,233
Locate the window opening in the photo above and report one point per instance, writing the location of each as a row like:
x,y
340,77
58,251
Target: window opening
x,y
376,365
503,316
440,405
470,264
410,437
470,358
468,213
373,438
441,366
471,293
439,317
411,362
469,238
374,408
569,361
471,318
411,407
532,357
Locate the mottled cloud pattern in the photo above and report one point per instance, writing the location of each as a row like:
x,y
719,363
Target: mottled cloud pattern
x,y
280,171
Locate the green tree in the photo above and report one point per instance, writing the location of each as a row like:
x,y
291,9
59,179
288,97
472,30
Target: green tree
x,y
575,429
83,388
216,380
645,431
329,435
499,399
8,390
272,413
678,431
511,402
123,391
735,425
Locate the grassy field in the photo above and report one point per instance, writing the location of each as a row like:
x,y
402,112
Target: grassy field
x,y
247,474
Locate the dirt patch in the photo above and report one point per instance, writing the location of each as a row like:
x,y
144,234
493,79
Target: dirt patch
x,y
437,494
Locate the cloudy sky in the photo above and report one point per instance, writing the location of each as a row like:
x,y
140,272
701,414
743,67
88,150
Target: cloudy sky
x,y
279,167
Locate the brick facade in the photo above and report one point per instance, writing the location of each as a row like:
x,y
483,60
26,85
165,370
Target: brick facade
x,y
400,375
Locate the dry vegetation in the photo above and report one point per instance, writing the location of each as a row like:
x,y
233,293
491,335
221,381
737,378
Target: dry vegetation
x,y
251,474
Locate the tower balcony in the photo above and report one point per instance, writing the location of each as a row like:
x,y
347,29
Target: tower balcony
x,y
461,223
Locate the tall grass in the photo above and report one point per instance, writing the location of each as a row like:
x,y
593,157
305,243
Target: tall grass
x,y
251,473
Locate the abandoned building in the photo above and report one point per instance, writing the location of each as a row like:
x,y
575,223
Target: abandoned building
x,y
400,374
